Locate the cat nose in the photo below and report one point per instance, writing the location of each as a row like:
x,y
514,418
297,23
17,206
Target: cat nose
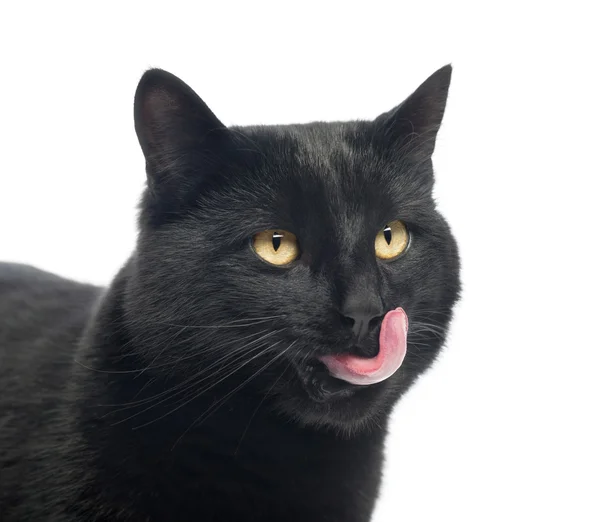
x,y
362,319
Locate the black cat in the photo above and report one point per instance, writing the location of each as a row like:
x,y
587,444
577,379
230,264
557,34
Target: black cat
x,y
243,364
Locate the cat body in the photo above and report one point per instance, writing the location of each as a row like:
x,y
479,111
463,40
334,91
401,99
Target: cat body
x,y
194,387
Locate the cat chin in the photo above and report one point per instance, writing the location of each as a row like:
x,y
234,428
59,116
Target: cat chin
x,y
346,418
319,400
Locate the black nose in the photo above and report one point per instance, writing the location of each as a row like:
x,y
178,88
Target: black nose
x,y
362,320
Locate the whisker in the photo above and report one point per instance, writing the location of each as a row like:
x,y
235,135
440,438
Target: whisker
x,y
221,346
219,403
246,322
141,370
194,378
204,390
167,344
173,392
148,383
417,343
422,326
97,370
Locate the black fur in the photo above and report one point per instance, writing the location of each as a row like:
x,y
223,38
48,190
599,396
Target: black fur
x,y
189,389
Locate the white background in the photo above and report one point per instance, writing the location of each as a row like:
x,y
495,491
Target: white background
x,y
506,426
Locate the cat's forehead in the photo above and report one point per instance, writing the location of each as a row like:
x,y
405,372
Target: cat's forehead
x,y
332,165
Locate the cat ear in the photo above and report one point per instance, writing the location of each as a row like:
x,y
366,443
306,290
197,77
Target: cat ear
x,y
177,131
416,121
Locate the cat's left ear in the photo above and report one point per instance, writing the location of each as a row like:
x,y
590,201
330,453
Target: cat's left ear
x,y
414,123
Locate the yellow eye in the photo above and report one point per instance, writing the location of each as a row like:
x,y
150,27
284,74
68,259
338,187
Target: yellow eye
x,y
277,247
392,240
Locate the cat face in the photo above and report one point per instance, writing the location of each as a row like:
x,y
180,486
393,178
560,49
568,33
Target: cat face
x,y
263,249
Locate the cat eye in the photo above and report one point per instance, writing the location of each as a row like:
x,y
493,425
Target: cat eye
x,y
277,247
392,240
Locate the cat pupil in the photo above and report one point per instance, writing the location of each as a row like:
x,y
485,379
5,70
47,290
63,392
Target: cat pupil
x,y
387,233
277,240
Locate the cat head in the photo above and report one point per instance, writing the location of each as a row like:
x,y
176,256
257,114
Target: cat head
x,y
264,249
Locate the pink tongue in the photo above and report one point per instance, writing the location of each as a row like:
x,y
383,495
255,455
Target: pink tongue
x,y
392,349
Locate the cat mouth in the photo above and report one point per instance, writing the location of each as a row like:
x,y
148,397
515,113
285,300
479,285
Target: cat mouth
x,y
341,375
364,371
320,385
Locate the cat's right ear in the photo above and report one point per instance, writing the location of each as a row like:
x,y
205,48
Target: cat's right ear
x,y
413,125
178,133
